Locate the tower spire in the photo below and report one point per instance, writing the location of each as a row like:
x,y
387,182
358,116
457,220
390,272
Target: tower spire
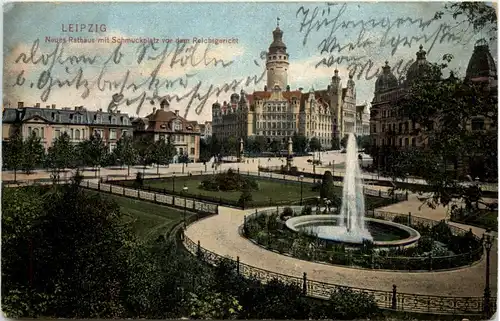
x,y
278,22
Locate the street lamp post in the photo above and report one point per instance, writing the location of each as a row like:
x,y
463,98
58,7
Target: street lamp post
x,y
184,190
317,204
301,187
488,244
173,183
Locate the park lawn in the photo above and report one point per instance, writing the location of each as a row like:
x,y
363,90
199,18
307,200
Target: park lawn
x,y
148,220
275,191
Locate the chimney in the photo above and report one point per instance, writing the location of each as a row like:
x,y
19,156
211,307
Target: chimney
x,y
20,104
48,106
53,106
154,109
177,112
117,111
300,88
37,105
100,109
76,107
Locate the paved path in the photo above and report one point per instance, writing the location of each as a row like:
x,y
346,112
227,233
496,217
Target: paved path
x,y
220,235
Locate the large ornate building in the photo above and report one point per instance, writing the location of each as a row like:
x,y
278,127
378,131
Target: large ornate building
x,y
278,112
390,129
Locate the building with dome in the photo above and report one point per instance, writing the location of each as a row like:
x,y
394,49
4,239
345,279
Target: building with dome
x,y
388,130
277,112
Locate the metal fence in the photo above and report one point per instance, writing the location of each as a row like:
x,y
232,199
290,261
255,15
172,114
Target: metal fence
x,y
385,299
176,201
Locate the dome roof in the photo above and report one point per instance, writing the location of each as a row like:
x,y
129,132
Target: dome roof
x,y
419,68
481,63
386,79
278,43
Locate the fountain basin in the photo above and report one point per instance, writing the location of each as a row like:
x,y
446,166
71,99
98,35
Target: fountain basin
x,y
383,234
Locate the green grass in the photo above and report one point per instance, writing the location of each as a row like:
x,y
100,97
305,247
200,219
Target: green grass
x,y
268,189
146,219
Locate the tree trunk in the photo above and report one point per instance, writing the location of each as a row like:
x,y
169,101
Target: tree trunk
x,y
157,169
128,171
15,175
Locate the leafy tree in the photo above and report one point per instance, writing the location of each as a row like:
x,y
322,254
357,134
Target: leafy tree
x,y
327,187
52,269
215,145
13,153
33,153
205,152
445,110
343,141
125,152
210,305
335,144
299,143
162,153
363,142
231,145
275,146
481,15
144,150
314,144
94,151
245,198
61,154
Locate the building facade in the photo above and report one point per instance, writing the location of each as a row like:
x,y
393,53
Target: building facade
x,y
163,123
363,119
205,130
50,123
278,112
391,130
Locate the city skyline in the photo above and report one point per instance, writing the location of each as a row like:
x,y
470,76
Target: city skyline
x,y
179,75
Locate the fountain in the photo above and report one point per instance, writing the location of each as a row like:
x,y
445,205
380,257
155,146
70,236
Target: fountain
x,y
351,225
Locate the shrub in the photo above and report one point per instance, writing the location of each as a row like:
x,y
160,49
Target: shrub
x,y
347,304
287,211
306,210
245,198
139,180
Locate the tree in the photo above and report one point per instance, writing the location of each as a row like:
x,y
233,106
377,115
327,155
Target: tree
x,y
95,151
343,141
125,152
205,152
13,153
481,15
144,150
245,197
335,144
231,145
327,186
299,143
215,145
445,110
314,144
162,153
61,154
52,269
275,146
33,153
363,142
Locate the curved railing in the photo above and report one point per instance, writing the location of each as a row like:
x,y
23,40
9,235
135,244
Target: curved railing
x,y
375,261
393,300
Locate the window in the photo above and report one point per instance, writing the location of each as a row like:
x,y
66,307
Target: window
x,y
413,142
192,151
72,133
77,134
113,120
36,132
401,142
124,133
177,125
192,139
58,133
406,142
29,131
98,119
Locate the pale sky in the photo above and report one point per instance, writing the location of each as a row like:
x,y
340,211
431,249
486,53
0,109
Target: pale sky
x,y
378,31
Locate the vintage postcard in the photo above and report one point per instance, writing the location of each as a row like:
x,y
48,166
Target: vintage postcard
x,y
250,160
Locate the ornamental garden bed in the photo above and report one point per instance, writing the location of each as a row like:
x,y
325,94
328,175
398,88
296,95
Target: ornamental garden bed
x,y
440,246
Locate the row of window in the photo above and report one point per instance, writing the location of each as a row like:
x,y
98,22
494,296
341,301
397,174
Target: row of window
x,y
178,138
180,151
76,118
264,125
276,57
406,141
276,133
278,117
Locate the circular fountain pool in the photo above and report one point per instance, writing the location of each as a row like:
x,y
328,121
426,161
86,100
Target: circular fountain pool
x,y
383,234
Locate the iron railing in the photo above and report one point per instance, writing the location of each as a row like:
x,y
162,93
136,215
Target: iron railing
x,y
385,299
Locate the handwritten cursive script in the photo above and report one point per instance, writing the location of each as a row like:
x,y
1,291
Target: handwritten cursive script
x,y
79,73
331,20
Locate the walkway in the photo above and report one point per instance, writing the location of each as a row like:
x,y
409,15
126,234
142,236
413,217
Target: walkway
x,y
219,234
